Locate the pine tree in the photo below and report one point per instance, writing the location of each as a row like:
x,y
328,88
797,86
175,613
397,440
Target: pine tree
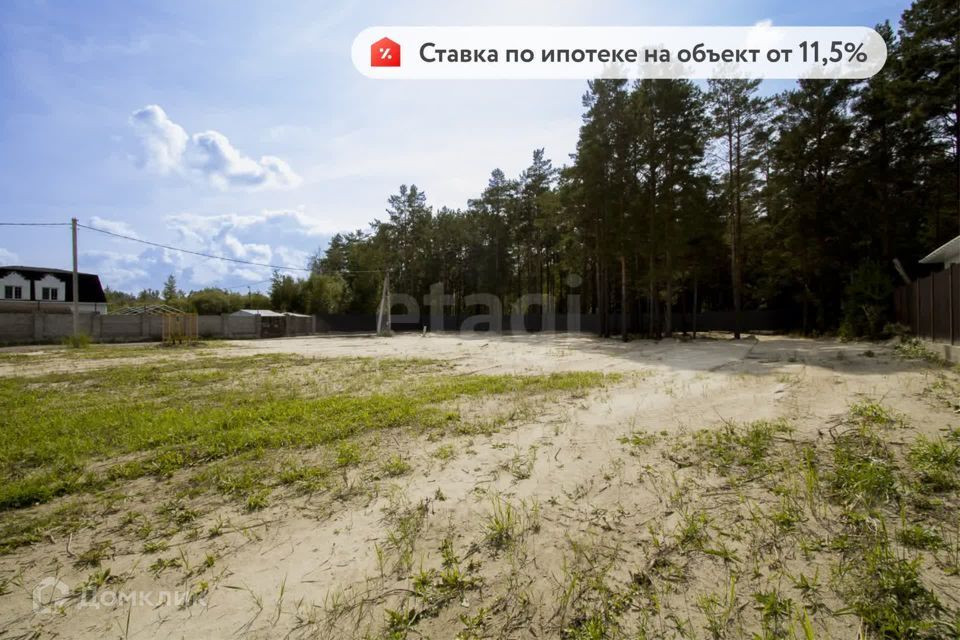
x,y
739,118
170,291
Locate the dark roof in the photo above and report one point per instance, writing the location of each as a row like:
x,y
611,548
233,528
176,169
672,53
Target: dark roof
x,y
90,288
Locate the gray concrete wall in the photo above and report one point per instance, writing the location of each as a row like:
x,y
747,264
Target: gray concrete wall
x,y
119,328
208,326
16,327
950,353
21,328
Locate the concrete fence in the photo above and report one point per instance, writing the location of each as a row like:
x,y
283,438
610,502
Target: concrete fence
x,y
36,326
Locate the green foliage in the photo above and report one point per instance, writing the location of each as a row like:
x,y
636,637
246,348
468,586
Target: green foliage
x,y
215,301
740,446
241,406
503,523
864,472
917,536
395,466
807,198
78,341
170,291
936,463
867,301
318,293
890,597
915,349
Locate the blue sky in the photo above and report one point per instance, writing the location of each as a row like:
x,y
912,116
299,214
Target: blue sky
x,y
242,129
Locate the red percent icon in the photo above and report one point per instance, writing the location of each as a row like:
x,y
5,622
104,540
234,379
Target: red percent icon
x,y
385,53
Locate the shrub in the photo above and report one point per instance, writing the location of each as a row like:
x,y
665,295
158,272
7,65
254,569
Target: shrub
x,y
79,341
866,303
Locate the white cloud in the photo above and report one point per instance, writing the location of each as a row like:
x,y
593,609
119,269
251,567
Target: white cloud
x,y
164,141
292,221
113,226
8,257
117,270
214,156
168,149
285,238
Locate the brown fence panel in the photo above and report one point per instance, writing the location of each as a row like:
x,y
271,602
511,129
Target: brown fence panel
x,y
955,299
931,306
913,306
941,306
925,307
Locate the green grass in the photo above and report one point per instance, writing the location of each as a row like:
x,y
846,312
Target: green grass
x,y
917,536
916,349
503,524
79,341
72,432
888,594
864,470
936,463
395,466
637,441
745,446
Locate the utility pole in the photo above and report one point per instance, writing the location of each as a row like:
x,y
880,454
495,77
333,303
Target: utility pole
x,y
76,284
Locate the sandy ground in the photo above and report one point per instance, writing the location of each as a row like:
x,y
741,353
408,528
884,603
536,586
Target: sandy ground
x,y
283,571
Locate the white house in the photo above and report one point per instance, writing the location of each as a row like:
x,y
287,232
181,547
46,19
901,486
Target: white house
x,y
946,255
37,288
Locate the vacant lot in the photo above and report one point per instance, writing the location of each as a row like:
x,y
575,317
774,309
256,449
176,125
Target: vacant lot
x,y
480,487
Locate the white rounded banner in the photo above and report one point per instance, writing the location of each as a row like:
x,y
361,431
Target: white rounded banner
x,y
569,53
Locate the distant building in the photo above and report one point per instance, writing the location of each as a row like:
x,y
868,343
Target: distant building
x,y
274,324
946,255
264,313
36,288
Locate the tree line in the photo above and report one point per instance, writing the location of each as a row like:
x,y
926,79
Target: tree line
x,y
683,197
318,293
207,301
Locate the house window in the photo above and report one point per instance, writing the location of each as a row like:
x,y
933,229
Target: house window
x,y
12,293
49,293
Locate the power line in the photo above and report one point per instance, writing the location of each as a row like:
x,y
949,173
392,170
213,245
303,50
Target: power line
x,y
34,224
245,284
195,253
172,248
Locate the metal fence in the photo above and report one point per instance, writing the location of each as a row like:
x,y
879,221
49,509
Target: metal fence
x,y
931,306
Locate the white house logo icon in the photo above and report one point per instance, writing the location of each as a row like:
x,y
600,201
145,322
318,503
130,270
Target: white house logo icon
x,y
48,593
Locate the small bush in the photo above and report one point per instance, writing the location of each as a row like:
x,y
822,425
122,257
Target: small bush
x,y
866,303
917,536
395,466
937,463
348,454
915,349
79,341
